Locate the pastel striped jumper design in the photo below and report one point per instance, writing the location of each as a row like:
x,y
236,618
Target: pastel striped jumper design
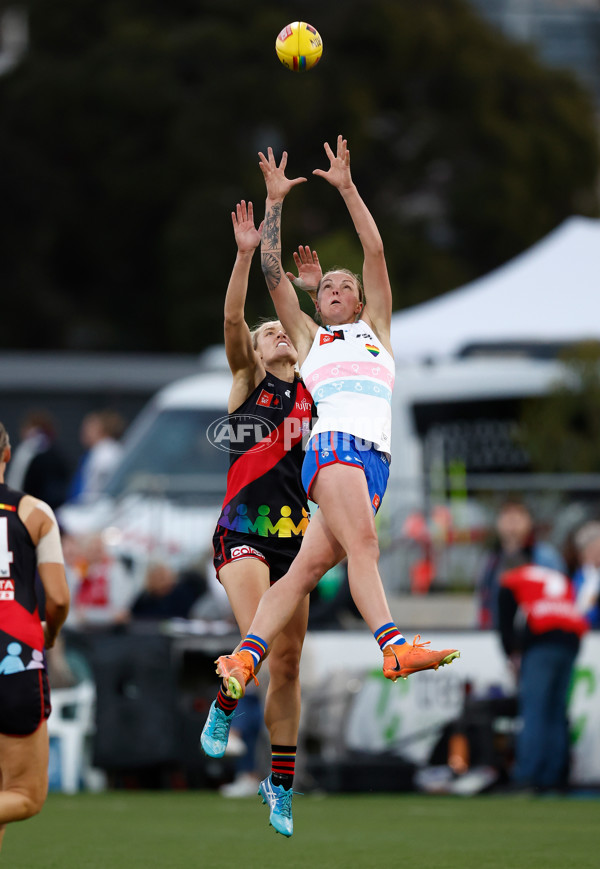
x,y
350,376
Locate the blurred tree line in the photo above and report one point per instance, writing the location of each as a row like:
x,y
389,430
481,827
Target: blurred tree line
x,y
131,128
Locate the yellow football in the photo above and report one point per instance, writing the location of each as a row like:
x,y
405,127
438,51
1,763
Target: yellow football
x,y
299,46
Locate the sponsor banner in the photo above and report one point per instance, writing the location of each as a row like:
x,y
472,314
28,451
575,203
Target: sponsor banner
x,y
408,716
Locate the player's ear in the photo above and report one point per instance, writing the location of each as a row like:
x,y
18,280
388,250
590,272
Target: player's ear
x,y
6,453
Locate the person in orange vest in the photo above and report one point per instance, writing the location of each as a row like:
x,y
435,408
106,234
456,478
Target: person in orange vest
x,y
542,651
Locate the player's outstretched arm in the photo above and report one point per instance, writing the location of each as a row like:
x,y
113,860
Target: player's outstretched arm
x,y
375,275
238,341
296,323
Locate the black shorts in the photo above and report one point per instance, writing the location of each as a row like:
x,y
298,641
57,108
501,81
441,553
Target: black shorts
x,y
24,702
276,552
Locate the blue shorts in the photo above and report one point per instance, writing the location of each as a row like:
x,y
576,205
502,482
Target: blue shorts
x,y
334,447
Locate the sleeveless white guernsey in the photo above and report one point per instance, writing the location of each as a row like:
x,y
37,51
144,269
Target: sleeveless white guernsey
x,y
350,376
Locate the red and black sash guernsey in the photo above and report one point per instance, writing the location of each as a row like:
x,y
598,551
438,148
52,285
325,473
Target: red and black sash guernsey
x,y
264,494
20,626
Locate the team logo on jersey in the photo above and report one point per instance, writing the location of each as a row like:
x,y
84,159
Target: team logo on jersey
x,y
373,350
268,399
7,589
265,398
328,337
237,433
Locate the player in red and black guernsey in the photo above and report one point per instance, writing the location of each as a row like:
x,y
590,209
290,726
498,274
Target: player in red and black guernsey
x,y
265,511
29,544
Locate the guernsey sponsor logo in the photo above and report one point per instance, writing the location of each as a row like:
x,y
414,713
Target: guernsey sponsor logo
x,y
328,337
245,552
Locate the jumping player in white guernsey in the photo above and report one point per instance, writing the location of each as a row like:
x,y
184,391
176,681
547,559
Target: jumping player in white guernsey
x,y
347,365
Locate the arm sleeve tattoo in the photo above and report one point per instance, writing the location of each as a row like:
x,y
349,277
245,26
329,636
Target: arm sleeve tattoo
x,y
271,247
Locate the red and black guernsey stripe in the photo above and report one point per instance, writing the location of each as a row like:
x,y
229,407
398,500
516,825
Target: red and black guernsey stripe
x,y
264,494
19,618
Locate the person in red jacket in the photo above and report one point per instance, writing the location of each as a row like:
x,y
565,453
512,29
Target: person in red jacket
x,y
543,652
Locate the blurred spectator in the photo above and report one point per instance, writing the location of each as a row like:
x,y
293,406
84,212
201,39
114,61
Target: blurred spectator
x,y
587,575
542,652
167,595
515,545
99,434
38,466
101,586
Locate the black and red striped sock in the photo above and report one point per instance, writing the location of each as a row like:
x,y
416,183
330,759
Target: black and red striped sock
x,y
225,703
283,762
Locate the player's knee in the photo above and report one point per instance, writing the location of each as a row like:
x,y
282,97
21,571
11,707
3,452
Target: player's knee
x,y
315,569
285,667
365,547
306,575
36,805
29,803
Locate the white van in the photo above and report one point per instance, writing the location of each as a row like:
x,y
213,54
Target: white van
x,y
164,498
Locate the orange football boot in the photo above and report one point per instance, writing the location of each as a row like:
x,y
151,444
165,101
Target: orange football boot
x,y
236,671
406,658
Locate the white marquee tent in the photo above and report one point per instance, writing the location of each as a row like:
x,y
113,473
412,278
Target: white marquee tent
x,y
549,293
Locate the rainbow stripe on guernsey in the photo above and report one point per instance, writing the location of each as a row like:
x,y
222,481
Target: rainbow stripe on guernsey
x,y
10,507
374,351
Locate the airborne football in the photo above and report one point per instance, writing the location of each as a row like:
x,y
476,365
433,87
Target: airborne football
x,y
299,46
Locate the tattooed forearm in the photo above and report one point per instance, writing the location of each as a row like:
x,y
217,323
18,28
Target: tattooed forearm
x,y
271,247
271,267
271,233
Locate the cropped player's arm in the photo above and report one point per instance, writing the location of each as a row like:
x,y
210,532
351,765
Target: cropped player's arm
x,y
43,529
238,341
375,274
296,323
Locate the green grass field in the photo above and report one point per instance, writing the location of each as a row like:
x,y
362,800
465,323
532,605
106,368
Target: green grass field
x,y
127,830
